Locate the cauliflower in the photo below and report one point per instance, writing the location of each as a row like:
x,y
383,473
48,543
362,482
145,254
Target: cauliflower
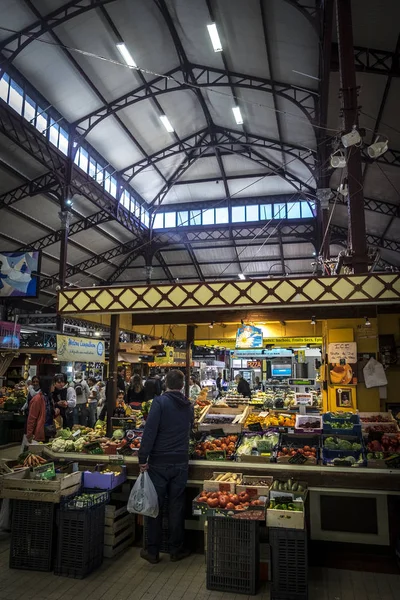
x,y
58,445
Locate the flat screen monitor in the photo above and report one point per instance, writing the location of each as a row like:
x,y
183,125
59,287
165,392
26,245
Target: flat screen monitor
x,y
281,370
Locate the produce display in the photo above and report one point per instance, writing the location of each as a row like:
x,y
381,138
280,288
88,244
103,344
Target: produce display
x,y
211,443
290,485
219,419
332,443
27,459
227,478
376,418
240,501
263,443
307,451
280,420
253,418
295,506
383,427
308,423
388,444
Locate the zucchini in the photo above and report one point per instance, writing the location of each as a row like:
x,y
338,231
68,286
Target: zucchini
x,y
275,485
295,486
289,484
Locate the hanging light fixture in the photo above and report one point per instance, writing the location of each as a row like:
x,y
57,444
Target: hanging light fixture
x,y
352,138
313,321
338,159
367,322
379,147
211,325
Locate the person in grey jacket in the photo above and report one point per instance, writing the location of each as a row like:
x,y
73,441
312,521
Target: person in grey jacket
x,y
82,392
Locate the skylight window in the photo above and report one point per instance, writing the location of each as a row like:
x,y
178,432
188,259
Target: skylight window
x,y
126,55
214,36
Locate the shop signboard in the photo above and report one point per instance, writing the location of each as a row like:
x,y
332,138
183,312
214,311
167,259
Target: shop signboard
x,y
73,349
295,342
249,336
254,364
292,341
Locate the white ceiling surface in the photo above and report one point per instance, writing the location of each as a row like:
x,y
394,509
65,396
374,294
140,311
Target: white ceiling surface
x,y
293,47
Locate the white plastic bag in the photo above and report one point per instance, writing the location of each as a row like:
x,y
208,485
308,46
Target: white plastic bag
x,y
374,374
143,498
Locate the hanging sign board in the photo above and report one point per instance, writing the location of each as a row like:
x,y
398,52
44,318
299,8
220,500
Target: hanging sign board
x,y
249,337
230,343
254,364
76,349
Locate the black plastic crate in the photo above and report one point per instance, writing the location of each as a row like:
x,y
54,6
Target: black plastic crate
x,y
289,564
164,547
233,555
80,541
32,535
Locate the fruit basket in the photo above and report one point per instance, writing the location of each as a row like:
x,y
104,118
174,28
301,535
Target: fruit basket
x,y
341,423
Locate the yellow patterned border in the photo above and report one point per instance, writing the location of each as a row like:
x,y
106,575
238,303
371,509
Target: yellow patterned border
x,y
351,289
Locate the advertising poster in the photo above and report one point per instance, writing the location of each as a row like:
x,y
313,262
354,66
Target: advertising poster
x,y
249,337
9,335
76,349
342,358
19,274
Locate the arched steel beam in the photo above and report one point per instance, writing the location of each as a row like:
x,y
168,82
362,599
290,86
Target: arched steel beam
x,y
193,140
17,42
309,12
303,98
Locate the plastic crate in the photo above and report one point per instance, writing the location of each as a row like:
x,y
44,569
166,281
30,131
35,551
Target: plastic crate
x,y
76,502
164,546
235,571
80,541
328,418
32,535
289,564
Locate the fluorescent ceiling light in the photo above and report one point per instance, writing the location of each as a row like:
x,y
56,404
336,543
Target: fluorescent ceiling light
x,y
126,55
238,115
165,121
242,276
213,33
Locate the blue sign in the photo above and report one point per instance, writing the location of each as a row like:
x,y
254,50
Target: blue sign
x,y
249,337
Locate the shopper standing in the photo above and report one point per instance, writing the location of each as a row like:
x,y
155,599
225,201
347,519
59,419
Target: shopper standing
x,y
40,423
136,393
164,451
153,387
64,398
194,389
82,393
243,387
93,399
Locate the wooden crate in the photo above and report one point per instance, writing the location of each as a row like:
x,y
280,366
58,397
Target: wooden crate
x,y
20,486
227,427
285,518
119,530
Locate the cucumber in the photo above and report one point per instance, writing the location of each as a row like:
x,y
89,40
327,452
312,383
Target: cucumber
x,y
300,488
295,486
289,484
285,487
275,485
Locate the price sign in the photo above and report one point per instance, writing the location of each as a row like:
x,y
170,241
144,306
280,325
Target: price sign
x,y
255,426
93,448
297,459
76,433
46,471
116,459
303,398
215,454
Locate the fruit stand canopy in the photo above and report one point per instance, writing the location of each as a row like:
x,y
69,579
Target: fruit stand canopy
x,y
65,79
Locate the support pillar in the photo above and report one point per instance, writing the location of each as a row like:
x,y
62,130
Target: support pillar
x,y
65,218
189,343
112,371
355,202
324,195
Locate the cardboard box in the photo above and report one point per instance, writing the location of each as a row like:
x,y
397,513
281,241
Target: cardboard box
x,y
95,480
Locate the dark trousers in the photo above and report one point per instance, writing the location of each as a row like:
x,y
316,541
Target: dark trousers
x,y
169,480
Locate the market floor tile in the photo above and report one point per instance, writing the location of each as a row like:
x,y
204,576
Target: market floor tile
x,y
128,575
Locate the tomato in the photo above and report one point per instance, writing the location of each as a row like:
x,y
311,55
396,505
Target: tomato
x,y
300,451
223,446
243,497
212,502
307,449
202,499
214,495
235,499
218,443
223,501
293,453
230,506
285,450
239,507
246,504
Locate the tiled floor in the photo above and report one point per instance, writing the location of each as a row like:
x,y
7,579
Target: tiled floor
x,y
129,577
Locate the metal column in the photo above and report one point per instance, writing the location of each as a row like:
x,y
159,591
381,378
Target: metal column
x,y
189,342
112,371
357,233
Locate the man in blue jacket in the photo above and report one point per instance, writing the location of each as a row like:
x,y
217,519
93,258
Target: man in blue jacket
x,y
164,451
